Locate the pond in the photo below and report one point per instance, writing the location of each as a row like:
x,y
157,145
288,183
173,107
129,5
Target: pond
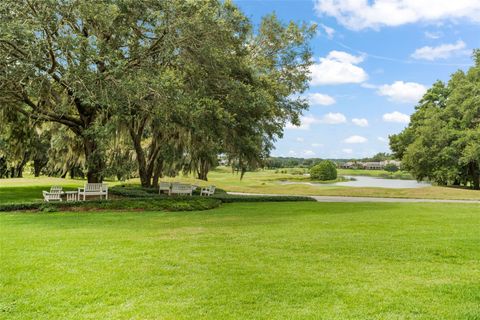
x,y
364,181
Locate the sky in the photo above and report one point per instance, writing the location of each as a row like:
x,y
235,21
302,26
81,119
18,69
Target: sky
x,y
373,61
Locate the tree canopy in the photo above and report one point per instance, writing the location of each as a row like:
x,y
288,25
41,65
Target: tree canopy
x,y
441,143
324,171
145,87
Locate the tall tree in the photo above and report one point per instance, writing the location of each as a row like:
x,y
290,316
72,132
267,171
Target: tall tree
x,y
61,61
185,73
441,142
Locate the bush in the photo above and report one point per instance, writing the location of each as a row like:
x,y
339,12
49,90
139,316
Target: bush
x,y
20,206
391,167
144,204
136,191
323,171
248,198
147,199
130,191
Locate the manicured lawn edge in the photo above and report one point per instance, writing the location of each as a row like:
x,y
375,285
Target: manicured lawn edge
x,y
134,191
137,198
151,204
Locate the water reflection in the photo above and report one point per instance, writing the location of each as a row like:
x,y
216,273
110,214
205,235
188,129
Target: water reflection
x,y
364,181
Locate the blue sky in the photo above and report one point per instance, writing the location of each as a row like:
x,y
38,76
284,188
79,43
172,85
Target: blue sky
x,y
373,60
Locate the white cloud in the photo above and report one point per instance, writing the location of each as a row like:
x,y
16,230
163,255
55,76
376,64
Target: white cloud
x,y
367,85
402,91
343,56
347,151
319,99
396,117
308,153
361,14
299,139
316,145
292,153
355,139
333,118
443,51
305,123
337,67
362,122
382,139
328,31
433,35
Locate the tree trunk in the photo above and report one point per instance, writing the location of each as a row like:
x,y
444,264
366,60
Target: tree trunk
x,y
202,171
142,162
475,172
145,165
38,165
158,173
95,163
476,180
18,171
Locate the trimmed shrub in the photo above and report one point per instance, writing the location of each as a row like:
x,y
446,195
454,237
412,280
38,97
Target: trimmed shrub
x,y
136,191
20,206
238,198
132,197
129,191
391,167
323,171
144,204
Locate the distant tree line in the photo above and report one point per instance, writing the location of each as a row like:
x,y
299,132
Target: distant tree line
x,y
290,162
293,162
442,141
381,156
144,88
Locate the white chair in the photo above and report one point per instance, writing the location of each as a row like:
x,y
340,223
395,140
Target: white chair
x,y
55,194
164,187
208,191
56,189
47,196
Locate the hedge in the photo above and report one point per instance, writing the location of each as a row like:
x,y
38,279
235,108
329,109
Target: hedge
x,y
249,198
151,204
138,198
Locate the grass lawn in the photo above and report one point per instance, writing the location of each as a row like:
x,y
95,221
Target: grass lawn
x,y
267,181
376,173
264,181
244,261
22,190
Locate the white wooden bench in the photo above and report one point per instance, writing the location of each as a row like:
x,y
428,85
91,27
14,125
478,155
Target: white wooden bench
x,y
207,191
164,187
179,188
55,194
93,189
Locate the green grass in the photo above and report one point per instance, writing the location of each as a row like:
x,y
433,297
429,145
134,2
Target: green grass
x,y
244,261
263,181
24,190
376,173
